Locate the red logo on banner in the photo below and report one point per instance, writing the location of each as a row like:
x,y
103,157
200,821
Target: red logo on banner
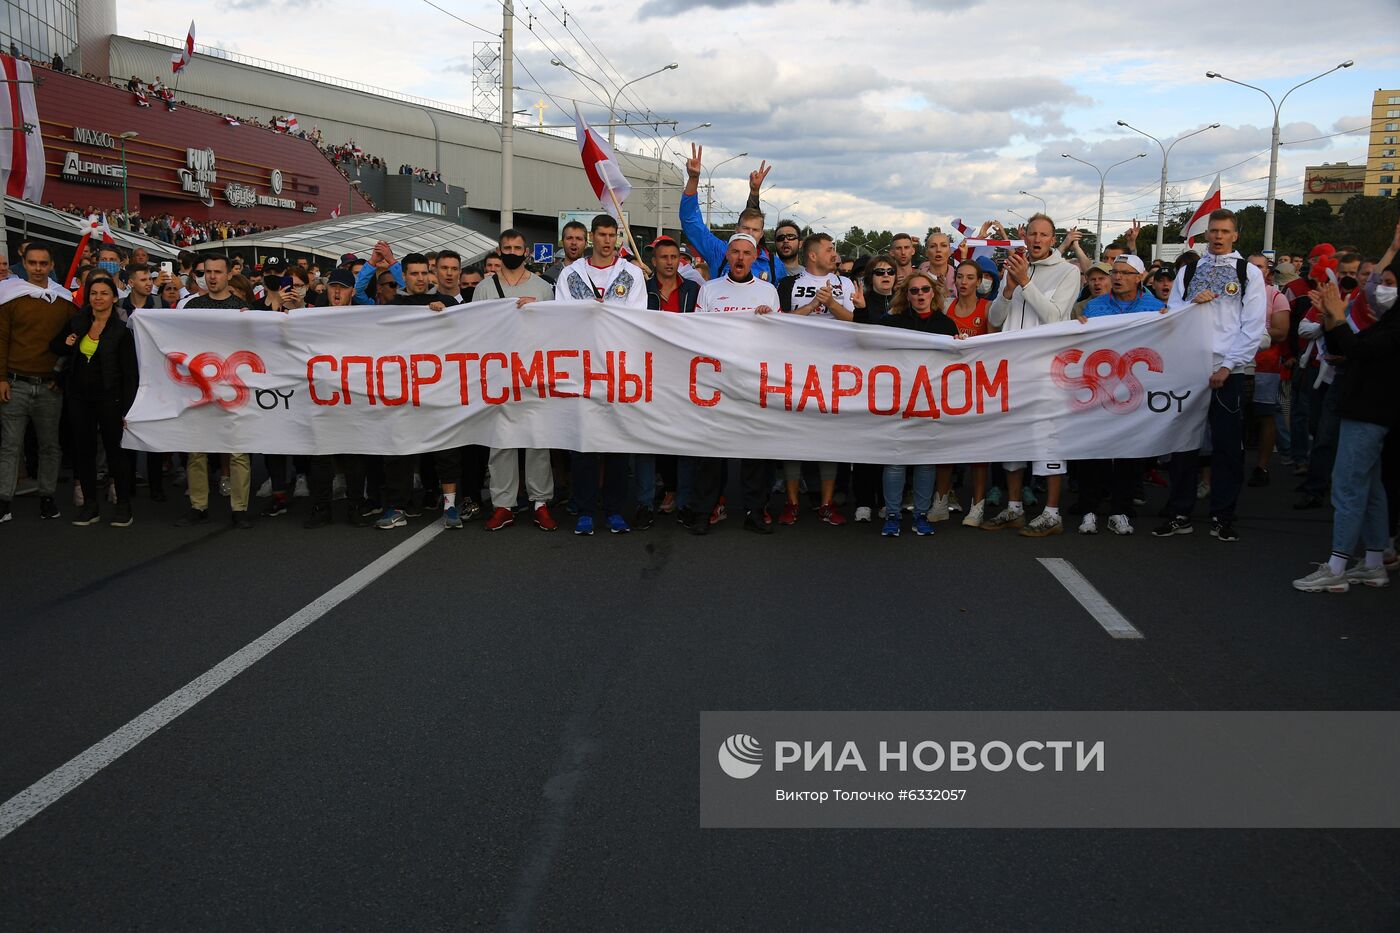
x,y
1106,376
207,371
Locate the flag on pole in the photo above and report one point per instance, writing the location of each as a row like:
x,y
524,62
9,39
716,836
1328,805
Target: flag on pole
x,y
95,225
961,227
231,121
335,212
180,59
600,165
292,123
21,146
1200,220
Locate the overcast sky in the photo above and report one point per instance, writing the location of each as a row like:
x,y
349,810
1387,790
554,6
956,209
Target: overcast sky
x,y
900,115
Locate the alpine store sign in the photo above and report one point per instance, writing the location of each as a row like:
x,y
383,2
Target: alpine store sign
x,y
84,171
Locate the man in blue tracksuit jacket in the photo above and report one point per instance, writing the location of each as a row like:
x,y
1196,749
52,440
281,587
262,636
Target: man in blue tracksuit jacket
x,y
767,267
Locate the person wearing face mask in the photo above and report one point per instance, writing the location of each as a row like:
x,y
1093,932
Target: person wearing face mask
x,y
109,260
101,385
1367,412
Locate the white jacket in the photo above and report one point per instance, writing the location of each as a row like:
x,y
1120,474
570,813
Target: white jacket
x,y
1048,299
1236,323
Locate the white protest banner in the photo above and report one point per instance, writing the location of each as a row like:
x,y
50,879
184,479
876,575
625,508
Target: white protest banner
x,y
582,376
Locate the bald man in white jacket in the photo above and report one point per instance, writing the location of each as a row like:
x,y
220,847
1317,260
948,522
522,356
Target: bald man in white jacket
x,y
1040,288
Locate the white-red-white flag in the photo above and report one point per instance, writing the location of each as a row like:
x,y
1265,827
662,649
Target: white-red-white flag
x,y
94,226
231,121
180,59
600,165
1200,220
336,212
961,227
21,146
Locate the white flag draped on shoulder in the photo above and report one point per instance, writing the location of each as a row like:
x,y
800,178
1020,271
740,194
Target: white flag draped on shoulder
x,y
589,377
600,165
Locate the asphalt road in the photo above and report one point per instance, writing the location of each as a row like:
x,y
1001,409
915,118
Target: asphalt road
x,y
501,730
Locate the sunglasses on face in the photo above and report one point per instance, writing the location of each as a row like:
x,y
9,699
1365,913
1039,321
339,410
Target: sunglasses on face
x,y
920,289
882,272
784,237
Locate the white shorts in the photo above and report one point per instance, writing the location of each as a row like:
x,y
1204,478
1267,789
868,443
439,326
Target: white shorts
x,y
1039,467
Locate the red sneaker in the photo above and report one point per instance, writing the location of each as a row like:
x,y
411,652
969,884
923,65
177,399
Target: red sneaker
x,y
789,516
501,518
830,515
720,513
544,520
1155,478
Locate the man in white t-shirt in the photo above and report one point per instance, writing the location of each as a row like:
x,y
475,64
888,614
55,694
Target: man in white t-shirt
x,y
738,290
817,290
607,278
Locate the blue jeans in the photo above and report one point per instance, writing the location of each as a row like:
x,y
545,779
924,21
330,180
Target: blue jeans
x,y
644,480
1358,496
894,489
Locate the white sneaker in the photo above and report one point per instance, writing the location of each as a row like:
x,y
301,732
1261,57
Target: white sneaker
x,y
1090,525
265,490
1203,490
939,512
301,491
338,490
1042,526
1364,576
863,513
1120,524
953,504
1322,580
975,515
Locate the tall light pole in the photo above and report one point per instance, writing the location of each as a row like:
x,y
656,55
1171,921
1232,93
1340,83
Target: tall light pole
x,y
1273,147
1014,214
507,114
1043,208
783,210
1103,174
661,191
350,195
126,214
1162,194
613,97
710,186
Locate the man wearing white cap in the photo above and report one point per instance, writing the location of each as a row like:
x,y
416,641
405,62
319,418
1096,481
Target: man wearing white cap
x,y
1114,479
738,290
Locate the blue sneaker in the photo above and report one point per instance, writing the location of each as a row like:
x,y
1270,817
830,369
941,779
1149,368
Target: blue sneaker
x,y
891,527
994,496
584,525
1028,496
451,518
618,525
392,518
922,526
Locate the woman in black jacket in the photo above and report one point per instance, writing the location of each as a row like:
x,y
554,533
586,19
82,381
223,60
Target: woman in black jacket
x,y
101,379
1369,408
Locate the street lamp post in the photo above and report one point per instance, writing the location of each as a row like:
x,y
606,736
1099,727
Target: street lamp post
x,y
1103,175
660,190
126,213
613,98
1162,194
1043,208
1273,147
710,186
350,196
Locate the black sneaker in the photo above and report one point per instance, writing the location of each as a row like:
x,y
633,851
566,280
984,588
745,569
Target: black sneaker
x,y
122,518
644,518
89,514
1308,501
1177,525
753,521
241,519
356,515
192,517
1260,477
5,515
1223,530
277,505
320,517
47,507
686,517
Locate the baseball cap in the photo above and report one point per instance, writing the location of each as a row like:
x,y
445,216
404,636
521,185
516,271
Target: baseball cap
x,y
1128,259
272,262
1101,266
341,277
349,258
1322,249
663,239
746,238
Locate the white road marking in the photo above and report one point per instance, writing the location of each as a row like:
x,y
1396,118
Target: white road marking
x,y
1091,599
31,801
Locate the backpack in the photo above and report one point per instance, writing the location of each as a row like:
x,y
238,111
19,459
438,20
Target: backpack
x,y
1241,273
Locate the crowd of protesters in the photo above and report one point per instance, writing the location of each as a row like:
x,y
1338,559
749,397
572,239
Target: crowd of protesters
x,y
1306,357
